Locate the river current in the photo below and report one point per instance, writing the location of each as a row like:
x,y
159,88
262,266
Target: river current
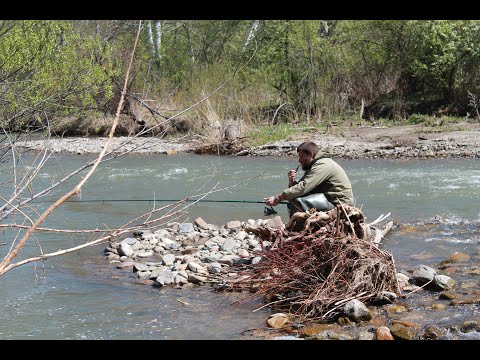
x,y
433,203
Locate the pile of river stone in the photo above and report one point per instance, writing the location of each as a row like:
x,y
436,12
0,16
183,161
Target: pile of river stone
x,y
189,253
196,253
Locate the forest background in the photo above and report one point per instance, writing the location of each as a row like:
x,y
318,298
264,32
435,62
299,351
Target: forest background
x,y
272,76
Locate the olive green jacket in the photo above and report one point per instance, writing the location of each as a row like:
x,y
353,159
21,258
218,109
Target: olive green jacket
x,y
325,176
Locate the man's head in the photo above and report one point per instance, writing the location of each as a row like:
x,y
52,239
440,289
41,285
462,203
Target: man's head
x,y
306,153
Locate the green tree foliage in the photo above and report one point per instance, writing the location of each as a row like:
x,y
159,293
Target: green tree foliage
x,y
300,69
47,71
444,56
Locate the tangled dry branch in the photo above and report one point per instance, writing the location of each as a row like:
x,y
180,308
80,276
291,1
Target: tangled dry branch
x,y
312,272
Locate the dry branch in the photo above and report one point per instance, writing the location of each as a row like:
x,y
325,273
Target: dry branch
x,y
312,272
5,264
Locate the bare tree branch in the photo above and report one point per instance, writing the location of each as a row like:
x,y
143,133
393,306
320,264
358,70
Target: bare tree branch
x,y
4,265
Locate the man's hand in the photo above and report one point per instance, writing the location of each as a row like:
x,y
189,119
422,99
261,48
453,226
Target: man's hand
x,y
291,177
271,200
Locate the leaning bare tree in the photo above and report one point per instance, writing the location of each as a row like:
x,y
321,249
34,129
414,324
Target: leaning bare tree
x,y
6,263
16,203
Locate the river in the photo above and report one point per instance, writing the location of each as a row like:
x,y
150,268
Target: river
x,y
81,296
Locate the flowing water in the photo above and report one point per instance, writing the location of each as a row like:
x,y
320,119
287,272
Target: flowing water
x,y
434,204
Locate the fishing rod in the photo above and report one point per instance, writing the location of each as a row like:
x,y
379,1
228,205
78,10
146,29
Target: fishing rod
x,y
266,211
163,200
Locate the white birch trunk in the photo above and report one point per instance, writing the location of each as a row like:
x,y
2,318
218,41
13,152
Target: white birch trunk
x,y
158,37
150,38
251,33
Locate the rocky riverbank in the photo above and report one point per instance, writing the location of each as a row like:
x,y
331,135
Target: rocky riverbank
x,y
194,254
410,141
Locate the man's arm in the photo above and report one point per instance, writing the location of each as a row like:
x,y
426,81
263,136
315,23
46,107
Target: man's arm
x,y
317,175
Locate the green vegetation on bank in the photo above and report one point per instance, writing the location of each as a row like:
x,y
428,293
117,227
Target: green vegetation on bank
x,y
263,135
278,77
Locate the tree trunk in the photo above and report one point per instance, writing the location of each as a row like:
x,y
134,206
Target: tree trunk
x,y
158,43
150,39
251,34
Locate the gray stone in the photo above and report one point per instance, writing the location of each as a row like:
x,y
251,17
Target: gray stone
x,y
228,245
357,311
444,282
186,228
201,223
423,274
165,278
137,266
235,224
168,259
125,249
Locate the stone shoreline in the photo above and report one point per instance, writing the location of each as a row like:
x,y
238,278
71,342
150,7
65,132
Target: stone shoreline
x,y
184,255
356,145
439,146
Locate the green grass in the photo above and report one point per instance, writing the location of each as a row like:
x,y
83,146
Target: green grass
x,y
262,135
439,129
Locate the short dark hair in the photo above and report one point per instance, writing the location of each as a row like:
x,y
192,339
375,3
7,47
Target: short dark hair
x,y
308,148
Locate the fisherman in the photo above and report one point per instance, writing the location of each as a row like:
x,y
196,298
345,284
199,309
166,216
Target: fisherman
x,y
323,185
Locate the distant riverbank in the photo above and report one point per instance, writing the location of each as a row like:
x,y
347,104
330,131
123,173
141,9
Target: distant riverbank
x,y
358,143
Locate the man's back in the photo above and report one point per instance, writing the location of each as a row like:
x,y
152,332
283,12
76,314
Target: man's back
x,y
325,176
333,181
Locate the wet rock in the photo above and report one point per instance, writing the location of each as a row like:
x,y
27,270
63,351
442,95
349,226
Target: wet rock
x,y
437,306
402,332
383,333
423,274
330,334
469,326
277,320
384,297
366,334
458,257
395,308
344,320
443,282
447,295
465,300
357,311
431,332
